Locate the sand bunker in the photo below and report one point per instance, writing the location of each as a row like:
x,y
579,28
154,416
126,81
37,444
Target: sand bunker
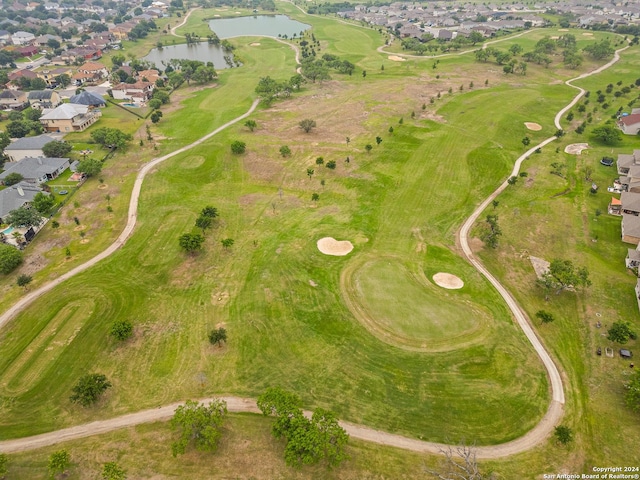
x,y
395,58
254,44
576,148
533,126
448,281
337,248
563,29
588,34
555,38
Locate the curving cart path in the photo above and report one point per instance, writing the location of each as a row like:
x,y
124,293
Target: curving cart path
x,y
128,229
237,404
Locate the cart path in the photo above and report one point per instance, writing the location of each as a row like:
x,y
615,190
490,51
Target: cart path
x,y
184,20
128,229
237,404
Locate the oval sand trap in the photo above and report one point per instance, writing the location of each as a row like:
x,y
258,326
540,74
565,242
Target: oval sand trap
x,y
576,148
533,126
337,248
396,58
448,281
254,44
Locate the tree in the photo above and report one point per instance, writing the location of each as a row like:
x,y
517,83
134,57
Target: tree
x,y
460,463
58,462
191,242
121,329
621,332
209,211
307,125
56,149
23,217
319,161
368,147
89,389
608,134
310,172
563,434
378,140
203,222
308,441
562,274
251,125
10,258
198,423
90,167
24,280
315,197
331,165
632,396
111,137
12,179
238,147
227,242
545,317
218,336
113,471
18,129
155,116
154,104
43,203
285,151
526,141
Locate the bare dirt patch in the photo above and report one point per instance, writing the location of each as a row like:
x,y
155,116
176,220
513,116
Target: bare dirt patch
x,y
588,34
540,265
533,126
102,186
563,29
396,58
336,248
254,44
448,281
576,148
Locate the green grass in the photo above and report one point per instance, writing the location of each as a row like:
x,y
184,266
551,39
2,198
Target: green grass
x,y
406,199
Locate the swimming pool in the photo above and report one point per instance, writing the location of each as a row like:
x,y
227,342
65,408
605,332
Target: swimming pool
x,y
131,105
7,231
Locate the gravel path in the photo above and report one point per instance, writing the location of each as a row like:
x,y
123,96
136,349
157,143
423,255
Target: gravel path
x,y
236,404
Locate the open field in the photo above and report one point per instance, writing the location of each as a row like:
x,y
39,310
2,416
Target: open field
x,y
283,303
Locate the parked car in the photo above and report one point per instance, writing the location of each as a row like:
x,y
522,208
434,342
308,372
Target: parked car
x,y
607,161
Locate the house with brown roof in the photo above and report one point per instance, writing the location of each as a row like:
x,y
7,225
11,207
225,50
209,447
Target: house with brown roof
x,y
150,75
49,75
630,125
69,117
81,53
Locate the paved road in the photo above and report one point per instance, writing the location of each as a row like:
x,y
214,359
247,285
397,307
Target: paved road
x,y
236,404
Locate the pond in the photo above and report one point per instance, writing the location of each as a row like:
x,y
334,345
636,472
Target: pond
x,y
258,25
200,51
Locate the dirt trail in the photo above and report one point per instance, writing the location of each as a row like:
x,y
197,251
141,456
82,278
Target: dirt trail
x,y
236,404
184,20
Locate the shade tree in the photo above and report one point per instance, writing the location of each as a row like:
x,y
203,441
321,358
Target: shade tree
x,y
89,389
199,424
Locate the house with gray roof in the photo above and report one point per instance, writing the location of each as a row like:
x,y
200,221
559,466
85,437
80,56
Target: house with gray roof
x,y
44,99
13,99
36,169
16,196
630,229
27,147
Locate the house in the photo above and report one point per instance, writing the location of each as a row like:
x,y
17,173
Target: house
x,y
5,37
633,258
615,206
27,147
50,75
88,98
96,69
630,203
150,75
630,124
36,169
628,166
16,196
630,228
13,100
81,53
69,117
137,92
40,99
15,76
28,51
22,38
